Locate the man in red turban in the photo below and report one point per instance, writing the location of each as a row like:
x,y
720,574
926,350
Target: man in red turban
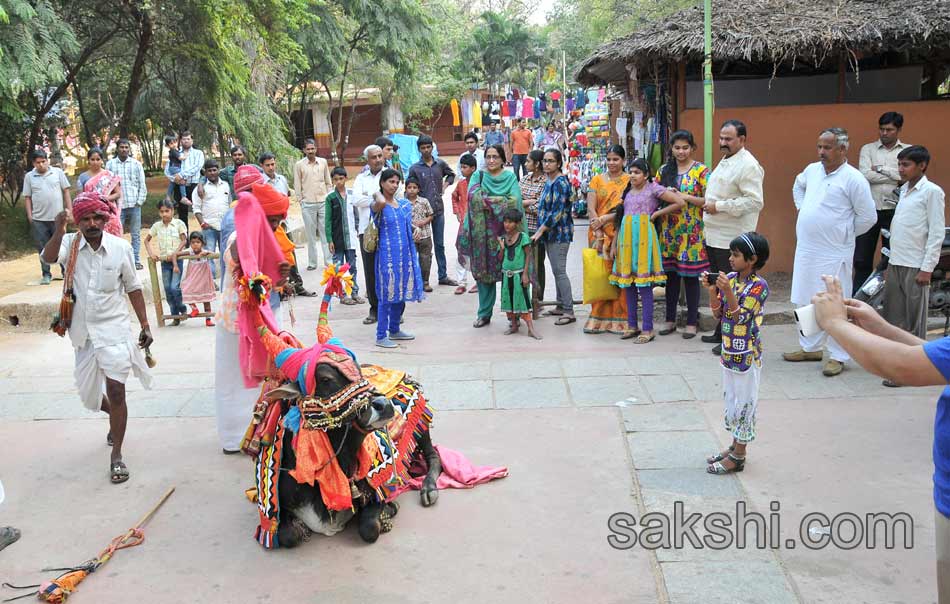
x,y
100,269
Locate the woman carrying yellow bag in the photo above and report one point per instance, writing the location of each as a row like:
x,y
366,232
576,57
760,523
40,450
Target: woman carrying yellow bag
x,y
607,314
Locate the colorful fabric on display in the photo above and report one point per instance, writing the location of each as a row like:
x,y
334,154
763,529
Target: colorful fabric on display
x,y
476,115
267,474
681,233
607,315
398,275
389,452
261,257
478,246
537,109
454,106
638,262
741,341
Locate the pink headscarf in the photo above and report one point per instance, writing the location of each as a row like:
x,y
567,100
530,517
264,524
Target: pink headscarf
x,y
260,255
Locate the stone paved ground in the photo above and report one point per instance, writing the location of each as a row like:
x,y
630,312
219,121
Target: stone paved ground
x,y
588,426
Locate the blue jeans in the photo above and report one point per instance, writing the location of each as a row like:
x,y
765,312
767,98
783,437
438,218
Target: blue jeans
x,y
389,316
132,222
348,256
213,243
172,282
517,164
438,234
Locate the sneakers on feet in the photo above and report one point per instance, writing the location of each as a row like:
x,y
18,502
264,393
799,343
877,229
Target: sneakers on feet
x,y
46,280
386,343
401,335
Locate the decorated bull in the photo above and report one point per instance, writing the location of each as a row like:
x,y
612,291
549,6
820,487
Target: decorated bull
x,y
333,440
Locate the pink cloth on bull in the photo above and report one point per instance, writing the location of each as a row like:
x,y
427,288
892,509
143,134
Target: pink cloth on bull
x,y
457,472
259,254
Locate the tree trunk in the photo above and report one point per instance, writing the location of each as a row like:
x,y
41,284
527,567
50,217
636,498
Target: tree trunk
x,y
137,77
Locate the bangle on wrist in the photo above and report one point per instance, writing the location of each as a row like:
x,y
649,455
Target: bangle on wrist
x,y
711,307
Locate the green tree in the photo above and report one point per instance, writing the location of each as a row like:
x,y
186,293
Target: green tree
x,y
498,48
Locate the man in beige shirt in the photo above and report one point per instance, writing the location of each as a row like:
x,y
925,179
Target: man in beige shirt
x,y
733,202
312,183
878,164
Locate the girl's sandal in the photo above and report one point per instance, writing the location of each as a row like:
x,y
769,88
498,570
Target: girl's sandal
x,y
566,320
720,456
718,469
668,330
629,333
642,339
119,473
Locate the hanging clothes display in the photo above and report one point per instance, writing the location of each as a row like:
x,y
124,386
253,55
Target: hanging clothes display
x,y
543,102
569,104
537,108
580,99
592,95
454,106
476,115
527,107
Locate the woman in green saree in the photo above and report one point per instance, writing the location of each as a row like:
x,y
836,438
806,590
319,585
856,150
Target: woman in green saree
x,y
491,192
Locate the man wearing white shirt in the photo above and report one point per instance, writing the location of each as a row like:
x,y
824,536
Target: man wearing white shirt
x,y
917,233
471,148
365,190
105,351
192,160
268,163
134,192
211,201
312,183
834,206
733,202
878,164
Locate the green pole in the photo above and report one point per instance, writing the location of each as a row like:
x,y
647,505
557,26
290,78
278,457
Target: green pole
x,y
707,83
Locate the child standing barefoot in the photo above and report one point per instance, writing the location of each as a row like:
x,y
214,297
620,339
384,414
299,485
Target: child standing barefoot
x,y
515,280
198,282
738,299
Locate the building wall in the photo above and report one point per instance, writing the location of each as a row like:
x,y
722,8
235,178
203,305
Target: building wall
x,y
867,86
783,139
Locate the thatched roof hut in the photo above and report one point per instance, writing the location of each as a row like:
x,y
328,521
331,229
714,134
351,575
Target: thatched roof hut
x,y
782,36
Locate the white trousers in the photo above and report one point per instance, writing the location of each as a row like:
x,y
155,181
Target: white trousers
x,y
461,275
233,403
94,365
741,393
817,342
314,215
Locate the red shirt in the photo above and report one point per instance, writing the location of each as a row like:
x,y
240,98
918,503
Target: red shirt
x,y
460,198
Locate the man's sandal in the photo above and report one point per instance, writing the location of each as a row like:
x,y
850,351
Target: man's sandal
x,y
629,333
718,468
566,320
720,456
119,472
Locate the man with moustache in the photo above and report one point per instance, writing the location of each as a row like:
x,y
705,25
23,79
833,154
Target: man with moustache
x,y
733,202
834,206
102,269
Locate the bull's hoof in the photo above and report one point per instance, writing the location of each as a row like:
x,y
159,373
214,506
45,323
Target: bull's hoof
x,y
292,533
429,494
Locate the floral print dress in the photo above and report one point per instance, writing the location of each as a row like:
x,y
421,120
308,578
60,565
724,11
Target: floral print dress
x,y
681,234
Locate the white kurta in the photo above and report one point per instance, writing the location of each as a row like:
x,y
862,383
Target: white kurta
x,y
833,209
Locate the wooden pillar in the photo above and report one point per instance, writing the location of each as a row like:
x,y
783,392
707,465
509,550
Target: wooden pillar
x,y
842,77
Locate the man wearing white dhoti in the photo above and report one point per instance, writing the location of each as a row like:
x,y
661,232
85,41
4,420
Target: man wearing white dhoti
x,y
101,269
834,205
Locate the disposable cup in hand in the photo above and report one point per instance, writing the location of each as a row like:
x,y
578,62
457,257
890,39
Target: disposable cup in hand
x,y
807,322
